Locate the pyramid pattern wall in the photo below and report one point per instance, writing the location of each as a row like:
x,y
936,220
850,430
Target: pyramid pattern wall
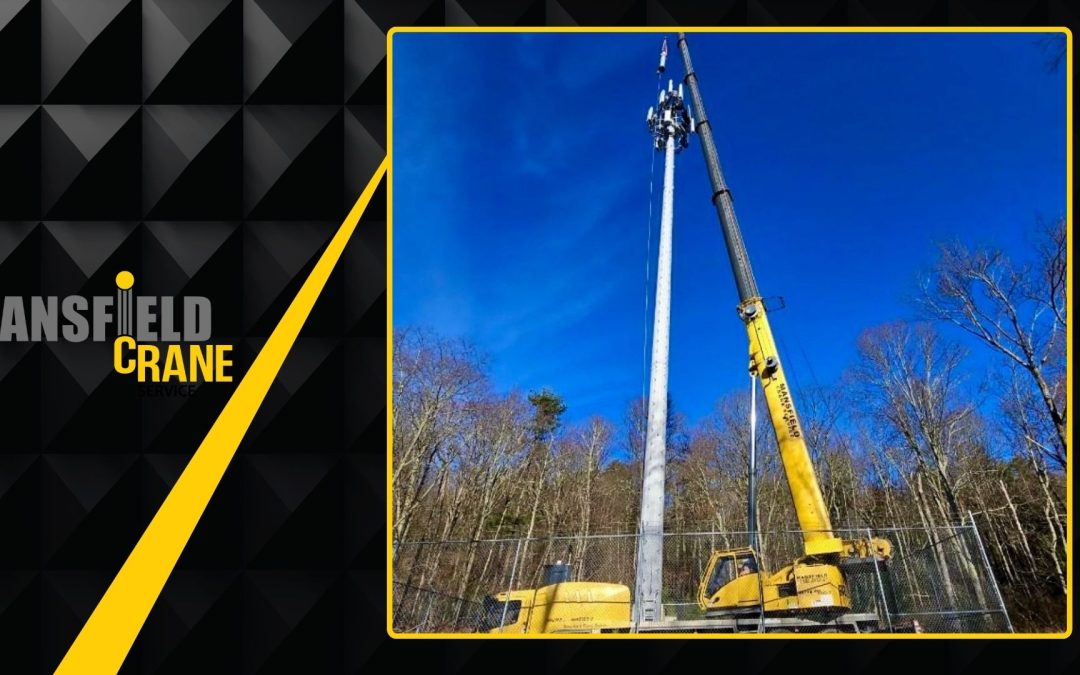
x,y
212,147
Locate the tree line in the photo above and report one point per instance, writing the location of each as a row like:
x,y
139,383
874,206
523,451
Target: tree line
x,y
922,430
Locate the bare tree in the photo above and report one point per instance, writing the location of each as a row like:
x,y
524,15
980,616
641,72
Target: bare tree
x,y
1017,310
433,378
911,377
1022,426
593,442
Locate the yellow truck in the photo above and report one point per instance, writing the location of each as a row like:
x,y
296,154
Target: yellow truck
x,y
564,607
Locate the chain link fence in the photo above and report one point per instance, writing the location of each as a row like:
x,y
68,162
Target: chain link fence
x,y
937,580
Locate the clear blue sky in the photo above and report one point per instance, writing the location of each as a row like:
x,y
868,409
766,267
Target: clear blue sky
x,y
521,193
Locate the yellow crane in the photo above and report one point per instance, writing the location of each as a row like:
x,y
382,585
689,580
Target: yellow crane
x,y
734,580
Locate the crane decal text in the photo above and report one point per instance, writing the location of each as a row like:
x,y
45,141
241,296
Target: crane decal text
x,y
790,419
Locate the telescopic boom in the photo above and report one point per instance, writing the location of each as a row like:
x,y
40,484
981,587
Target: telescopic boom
x,y
810,508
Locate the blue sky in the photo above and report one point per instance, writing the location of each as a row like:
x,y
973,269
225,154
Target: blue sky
x,y
521,171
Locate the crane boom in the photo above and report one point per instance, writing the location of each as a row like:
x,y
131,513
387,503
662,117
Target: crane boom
x,y
818,536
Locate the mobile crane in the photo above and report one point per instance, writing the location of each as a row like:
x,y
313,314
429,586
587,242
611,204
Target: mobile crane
x,y
735,594
815,580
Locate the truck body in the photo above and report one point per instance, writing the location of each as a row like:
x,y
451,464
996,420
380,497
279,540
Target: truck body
x,y
569,606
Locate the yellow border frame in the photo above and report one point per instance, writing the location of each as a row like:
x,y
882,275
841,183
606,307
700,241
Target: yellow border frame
x,y
662,29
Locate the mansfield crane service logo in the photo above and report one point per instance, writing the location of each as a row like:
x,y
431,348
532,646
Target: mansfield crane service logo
x,y
161,341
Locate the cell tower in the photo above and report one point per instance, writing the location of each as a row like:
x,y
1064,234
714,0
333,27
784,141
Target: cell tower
x,y
670,125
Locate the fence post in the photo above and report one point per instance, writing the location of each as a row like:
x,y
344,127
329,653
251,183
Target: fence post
x,y
880,582
990,572
510,587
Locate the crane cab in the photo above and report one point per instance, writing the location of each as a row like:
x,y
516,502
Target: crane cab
x,y
735,582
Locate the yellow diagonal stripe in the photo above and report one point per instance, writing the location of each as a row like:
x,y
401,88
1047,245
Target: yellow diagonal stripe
x,y
110,631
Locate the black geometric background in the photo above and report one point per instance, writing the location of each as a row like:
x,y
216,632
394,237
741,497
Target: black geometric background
x,y
212,147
